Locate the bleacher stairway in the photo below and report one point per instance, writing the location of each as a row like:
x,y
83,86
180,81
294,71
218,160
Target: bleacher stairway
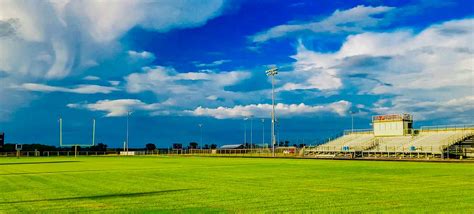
x,y
464,148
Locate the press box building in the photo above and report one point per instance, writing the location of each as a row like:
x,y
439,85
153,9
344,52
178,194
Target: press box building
x,y
392,125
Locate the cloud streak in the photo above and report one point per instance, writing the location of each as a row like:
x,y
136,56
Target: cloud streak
x,y
263,110
80,89
116,108
353,20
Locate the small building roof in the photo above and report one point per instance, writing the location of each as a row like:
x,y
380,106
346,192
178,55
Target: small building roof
x,y
232,146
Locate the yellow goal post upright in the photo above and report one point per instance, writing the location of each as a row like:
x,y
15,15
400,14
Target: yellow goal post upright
x,y
74,145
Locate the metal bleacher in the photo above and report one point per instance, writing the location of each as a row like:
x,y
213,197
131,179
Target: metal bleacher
x,y
349,142
432,140
397,143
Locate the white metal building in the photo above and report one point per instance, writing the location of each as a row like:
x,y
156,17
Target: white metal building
x,y
392,125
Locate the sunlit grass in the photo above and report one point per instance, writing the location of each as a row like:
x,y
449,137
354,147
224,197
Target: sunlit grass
x,y
178,184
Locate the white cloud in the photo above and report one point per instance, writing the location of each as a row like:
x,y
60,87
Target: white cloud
x,y
114,82
102,16
187,89
116,108
311,71
212,64
212,97
422,71
92,78
80,89
459,109
44,40
352,20
263,110
144,55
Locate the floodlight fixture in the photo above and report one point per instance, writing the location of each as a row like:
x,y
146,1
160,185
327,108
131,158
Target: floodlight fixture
x,y
272,71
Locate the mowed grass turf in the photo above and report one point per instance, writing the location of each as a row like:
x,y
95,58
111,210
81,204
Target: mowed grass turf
x,y
193,184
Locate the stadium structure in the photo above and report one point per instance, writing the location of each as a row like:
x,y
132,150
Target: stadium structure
x,y
393,136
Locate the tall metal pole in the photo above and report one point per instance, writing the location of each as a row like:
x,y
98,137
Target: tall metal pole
x,y
128,115
352,118
200,127
352,122
263,133
251,132
273,115
60,132
277,132
245,132
93,132
272,72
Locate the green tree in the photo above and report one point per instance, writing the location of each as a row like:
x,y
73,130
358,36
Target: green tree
x,y
193,145
150,146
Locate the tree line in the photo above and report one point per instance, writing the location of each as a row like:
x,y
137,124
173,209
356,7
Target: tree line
x,y
195,145
101,147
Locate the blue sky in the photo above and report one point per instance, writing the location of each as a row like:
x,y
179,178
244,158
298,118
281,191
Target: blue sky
x,y
177,64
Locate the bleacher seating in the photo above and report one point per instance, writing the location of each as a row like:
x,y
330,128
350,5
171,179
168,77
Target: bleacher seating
x,y
348,142
397,143
426,141
436,141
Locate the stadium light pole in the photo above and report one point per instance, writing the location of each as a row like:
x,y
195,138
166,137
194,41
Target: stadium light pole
x,y
277,131
272,72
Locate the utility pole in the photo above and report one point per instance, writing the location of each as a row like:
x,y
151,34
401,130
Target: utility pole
x,y
245,131
60,131
272,72
251,132
352,121
128,115
263,133
93,132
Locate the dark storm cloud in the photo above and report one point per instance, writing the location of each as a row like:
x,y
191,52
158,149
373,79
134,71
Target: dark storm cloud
x,y
364,63
364,67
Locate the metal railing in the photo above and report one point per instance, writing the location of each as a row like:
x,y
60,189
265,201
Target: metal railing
x,y
358,131
72,153
279,152
447,127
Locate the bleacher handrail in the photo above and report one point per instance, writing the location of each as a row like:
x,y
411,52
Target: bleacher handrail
x,y
358,131
447,127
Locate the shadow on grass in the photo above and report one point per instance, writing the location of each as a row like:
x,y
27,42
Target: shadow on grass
x,y
107,196
45,162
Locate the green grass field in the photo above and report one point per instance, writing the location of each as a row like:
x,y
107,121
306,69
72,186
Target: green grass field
x,y
180,184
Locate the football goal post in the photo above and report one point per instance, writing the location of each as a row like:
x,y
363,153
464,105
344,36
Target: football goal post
x,y
74,145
